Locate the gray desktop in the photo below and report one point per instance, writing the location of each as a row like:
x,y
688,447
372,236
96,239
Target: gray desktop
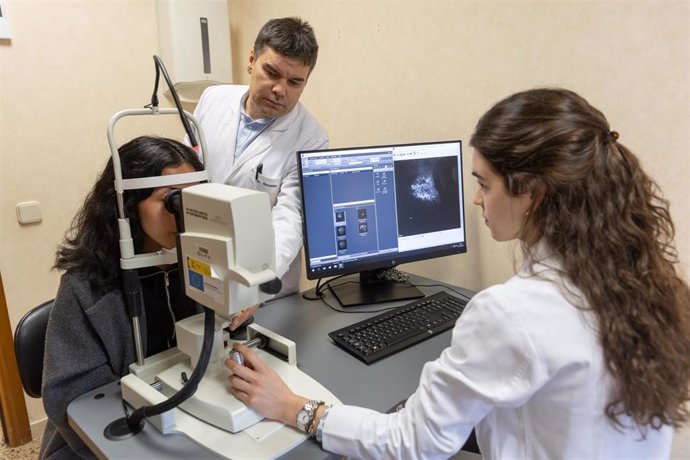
x,y
378,386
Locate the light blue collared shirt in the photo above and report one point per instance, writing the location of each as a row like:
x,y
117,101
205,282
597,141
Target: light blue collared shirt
x,y
249,129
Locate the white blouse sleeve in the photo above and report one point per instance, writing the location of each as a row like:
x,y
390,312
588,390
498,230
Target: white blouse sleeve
x,y
491,362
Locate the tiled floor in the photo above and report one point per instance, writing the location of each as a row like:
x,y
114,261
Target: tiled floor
x,y
26,452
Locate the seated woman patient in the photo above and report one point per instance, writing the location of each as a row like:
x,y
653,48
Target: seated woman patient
x,y
583,354
89,341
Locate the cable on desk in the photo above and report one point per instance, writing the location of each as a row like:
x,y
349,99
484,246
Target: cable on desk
x,y
318,290
319,295
391,274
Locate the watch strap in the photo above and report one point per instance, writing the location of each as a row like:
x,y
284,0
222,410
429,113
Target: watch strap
x,y
305,416
311,430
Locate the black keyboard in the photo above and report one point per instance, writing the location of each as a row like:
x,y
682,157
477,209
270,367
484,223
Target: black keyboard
x,y
394,330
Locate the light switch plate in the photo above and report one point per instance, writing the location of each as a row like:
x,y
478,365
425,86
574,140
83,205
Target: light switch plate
x,y
29,212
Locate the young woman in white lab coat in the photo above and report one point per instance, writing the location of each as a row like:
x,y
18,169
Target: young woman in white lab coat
x,y
584,353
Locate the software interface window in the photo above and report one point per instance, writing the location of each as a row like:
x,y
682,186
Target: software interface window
x,y
375,202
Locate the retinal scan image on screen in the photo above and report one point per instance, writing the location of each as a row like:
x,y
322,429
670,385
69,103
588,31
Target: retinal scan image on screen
x,y
368,208
426,195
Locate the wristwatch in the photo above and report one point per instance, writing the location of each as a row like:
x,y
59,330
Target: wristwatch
x,y
306,415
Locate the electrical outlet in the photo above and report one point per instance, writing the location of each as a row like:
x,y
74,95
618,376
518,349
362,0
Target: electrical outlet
x,y
29,212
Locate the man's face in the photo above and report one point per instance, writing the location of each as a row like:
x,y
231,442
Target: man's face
x,y
276,83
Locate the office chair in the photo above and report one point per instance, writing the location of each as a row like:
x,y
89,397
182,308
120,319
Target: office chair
x,y
29,347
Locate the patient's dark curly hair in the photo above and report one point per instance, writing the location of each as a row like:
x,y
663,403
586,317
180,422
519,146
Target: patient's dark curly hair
x,y
611,227
91,245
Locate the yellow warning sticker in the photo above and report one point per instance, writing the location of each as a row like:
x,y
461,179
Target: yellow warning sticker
x,y
198,266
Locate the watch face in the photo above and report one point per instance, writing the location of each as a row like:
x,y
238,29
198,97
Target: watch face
x,y
303,417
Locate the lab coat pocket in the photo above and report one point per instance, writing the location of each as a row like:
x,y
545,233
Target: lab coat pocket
x,y
269,185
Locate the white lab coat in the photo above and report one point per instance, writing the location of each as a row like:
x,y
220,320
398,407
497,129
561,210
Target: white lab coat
x,y
275,149
525,367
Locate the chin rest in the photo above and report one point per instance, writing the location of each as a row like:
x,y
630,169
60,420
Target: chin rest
x,y
29,347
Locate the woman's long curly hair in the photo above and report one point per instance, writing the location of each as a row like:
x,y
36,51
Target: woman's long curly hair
x,y
607,221
91,245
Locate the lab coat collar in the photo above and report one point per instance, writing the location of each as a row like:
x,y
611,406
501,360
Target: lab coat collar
x,y
265,140
541,261
539,253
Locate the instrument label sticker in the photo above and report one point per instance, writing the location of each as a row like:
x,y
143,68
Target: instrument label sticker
x,y
204,280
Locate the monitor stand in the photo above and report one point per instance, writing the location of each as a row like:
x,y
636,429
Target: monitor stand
x,y
371,290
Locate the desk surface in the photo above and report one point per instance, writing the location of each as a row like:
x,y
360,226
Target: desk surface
x,y
377,386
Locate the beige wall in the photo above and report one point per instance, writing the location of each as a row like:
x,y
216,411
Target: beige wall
x,y
413,70
69,67
388,71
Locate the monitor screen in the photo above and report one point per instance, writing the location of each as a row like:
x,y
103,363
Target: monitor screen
x,y
367,209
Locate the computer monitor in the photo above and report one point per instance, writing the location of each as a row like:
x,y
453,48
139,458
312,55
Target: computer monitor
x,y
367,209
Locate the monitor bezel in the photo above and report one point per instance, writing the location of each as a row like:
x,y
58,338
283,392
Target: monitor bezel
x,y
384,261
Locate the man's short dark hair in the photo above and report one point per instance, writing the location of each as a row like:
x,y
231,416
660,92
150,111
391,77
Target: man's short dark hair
x,y
290,37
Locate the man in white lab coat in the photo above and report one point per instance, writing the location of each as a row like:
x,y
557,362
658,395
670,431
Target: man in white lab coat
x,y
253,133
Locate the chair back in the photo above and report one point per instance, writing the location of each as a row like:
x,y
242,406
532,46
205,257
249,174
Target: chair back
x,y
29,347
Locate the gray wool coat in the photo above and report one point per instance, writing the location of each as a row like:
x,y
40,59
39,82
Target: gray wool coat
x,y
90,343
